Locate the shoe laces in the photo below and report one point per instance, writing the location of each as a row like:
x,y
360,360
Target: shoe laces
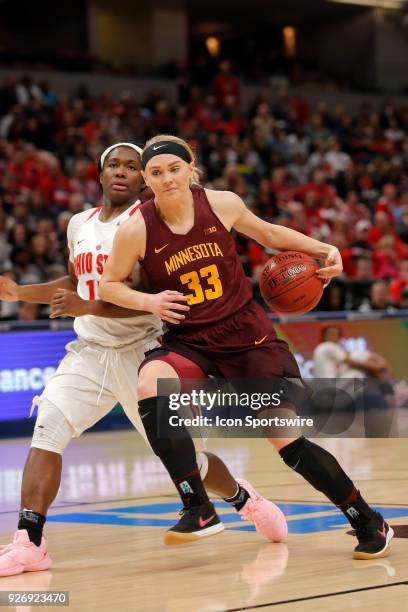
x,y
191,511
364,532
367,530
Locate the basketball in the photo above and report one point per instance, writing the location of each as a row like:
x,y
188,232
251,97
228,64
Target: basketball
x,y
289,283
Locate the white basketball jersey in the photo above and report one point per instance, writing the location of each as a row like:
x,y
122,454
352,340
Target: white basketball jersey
x,y
90,243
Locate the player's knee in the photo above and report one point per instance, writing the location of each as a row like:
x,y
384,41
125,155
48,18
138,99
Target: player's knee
x,y
149,414
147,381
150,375
52,431
291,453
155,413
146,388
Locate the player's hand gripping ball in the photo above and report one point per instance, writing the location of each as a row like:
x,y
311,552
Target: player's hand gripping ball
x,y
289,283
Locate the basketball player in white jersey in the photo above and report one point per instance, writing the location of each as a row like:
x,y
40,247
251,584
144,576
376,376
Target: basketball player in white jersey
x,y
100,368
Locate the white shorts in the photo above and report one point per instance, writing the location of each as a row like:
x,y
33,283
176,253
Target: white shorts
x,y
91,379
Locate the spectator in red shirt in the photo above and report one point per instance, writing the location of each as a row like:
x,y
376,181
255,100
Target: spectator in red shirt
x,y
317,186
358,248
298,218
280,187
383,227
388,201
354,209
386,258
83,183
225,84
364,269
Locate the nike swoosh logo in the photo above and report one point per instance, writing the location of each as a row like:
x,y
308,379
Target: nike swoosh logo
x,y
159,147
203,522
382,532
143,416
261,340
161,248
79,241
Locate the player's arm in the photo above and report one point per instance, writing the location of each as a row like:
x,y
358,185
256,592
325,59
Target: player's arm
x,y
61,294
67,303
373,364
128,248
40,293
233,209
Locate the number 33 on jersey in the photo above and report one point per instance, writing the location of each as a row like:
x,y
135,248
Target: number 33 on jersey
x,y
202,264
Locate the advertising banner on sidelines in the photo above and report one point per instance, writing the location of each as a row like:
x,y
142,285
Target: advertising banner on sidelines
x,y
27,360
386,337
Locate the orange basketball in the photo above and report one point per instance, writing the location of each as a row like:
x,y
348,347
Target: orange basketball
x,y
289,283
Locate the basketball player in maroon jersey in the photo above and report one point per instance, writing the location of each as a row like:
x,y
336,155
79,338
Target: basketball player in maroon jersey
x,y
99,369
182,239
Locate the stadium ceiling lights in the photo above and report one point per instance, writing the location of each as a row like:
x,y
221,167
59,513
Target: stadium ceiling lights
x,y
384,4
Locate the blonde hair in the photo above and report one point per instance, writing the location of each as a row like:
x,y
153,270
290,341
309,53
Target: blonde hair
x,y
160,137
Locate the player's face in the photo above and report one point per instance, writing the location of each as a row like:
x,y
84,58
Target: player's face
x,y
121,176
168,176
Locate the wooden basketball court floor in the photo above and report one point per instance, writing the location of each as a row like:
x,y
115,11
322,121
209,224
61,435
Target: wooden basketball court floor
x,y
106,527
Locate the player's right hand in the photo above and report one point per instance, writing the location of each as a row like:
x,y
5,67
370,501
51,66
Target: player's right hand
x,y
167,306
8,290
66,303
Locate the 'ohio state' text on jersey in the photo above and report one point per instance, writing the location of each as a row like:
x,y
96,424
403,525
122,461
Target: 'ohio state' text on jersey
x,y
90,243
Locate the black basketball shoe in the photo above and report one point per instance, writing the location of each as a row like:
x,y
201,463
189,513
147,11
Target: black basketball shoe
x,y
195,523
373,539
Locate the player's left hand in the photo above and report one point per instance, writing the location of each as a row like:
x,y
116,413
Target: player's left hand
x,y
67,304
333,266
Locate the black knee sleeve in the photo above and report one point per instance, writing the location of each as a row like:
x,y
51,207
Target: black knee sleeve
x,y
319,468
149,412
155,413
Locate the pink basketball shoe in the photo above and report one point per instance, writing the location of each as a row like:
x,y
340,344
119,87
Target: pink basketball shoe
x,y
23,555
268,519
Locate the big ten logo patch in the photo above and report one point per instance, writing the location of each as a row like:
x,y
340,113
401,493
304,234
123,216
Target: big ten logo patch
x,y
210,230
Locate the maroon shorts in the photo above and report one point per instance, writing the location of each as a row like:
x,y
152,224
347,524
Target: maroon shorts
x,y
244,345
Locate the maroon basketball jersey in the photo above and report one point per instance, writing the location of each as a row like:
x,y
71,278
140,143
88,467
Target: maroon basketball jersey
x,y
202,264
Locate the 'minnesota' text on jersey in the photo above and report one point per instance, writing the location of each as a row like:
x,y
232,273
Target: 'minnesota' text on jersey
x,y
202,264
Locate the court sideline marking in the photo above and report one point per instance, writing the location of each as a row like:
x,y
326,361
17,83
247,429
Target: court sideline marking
x,y
297,599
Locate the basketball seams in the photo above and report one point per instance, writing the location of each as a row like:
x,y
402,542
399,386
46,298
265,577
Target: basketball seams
x,y
309,305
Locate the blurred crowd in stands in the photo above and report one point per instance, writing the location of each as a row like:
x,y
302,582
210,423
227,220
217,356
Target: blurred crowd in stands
x,y
336,176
